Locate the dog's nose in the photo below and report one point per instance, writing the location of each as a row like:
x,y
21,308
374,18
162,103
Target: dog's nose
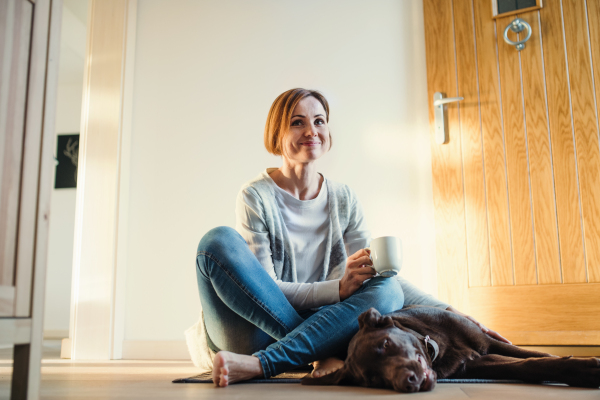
x,y
412,378
411,382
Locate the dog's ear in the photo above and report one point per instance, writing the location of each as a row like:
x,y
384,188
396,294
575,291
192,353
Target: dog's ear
x,y
385,322
368,318
340,377
398,324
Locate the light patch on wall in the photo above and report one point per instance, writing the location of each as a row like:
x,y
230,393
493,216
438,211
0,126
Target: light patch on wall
x,y
391,144
383,142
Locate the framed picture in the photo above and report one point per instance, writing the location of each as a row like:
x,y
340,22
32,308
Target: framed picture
x,y
67,152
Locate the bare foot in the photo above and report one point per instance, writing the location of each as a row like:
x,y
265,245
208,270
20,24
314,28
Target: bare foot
x,y
326,366
229,368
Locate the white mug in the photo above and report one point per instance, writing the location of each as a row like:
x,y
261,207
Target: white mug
x,y
386,254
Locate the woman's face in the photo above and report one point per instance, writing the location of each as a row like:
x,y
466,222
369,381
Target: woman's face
x,y
308,135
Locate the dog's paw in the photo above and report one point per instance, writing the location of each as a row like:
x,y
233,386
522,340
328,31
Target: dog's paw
x,y
583,372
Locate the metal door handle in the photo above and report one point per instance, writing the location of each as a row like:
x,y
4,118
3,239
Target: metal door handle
x,y
517,26
447,100
441,130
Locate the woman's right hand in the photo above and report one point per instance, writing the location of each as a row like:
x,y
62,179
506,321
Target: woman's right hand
x,y
358,270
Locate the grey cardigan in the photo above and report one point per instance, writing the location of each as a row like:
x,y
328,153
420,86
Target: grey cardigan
x,y
343,209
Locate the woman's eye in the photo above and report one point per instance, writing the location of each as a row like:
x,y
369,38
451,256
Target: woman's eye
x,y
297,122
319,122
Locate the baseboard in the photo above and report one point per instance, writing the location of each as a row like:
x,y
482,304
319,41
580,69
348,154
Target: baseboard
x,y
65,348
155,350
575,351
56,334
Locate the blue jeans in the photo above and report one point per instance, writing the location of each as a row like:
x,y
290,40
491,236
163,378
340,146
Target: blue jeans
x,y
245,311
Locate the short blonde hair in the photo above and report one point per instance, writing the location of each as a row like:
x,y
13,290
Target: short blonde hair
x,y
280,116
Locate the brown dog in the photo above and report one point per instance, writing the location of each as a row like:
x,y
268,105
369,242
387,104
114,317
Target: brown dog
x,y
408,350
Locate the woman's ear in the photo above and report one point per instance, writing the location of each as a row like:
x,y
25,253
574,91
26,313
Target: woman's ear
x,y
340,377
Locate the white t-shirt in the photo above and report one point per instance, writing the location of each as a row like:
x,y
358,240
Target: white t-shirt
x,y
307,222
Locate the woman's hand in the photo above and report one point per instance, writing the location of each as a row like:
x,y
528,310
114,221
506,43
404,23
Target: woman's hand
x,y
490,332
358,270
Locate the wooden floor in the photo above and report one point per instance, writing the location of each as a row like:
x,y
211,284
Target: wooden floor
x,y
66,380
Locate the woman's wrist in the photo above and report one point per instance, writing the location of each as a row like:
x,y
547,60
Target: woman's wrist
x,y
342,294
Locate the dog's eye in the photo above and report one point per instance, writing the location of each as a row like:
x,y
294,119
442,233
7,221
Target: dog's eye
x,y
386,344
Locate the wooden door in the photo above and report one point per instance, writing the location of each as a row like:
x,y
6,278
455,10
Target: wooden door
x,y
517,186
15,41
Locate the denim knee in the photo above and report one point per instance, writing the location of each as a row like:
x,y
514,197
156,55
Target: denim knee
x,y
385,294
217,238
218,243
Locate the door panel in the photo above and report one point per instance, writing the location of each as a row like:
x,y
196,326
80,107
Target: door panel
x,y
593,14
521,224
568,209
493,142
15,26
472,155
585,125
540,162
526,136
544,320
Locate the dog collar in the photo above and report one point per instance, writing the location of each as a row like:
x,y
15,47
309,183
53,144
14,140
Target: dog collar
x,y
432,348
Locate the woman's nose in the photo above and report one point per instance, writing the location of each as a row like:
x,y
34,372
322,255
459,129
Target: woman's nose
x,y
312,131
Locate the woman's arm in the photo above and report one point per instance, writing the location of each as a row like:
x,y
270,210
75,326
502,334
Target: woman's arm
x,y
250,223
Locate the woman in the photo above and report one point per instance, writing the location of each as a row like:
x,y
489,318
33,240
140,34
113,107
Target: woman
x,y
287,286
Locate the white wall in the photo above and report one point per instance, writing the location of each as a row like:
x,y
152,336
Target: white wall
x,y
62,206
62,223
206,74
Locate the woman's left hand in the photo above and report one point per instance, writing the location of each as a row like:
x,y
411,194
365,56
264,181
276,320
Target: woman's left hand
x,y
490,332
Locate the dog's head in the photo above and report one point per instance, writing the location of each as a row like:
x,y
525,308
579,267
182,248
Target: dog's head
x,y
384,355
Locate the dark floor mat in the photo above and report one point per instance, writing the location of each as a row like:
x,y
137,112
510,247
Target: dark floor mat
x,y
296,376
286,377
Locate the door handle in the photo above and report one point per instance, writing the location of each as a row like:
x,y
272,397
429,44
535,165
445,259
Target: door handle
x,y
517,26
447,100
441,130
